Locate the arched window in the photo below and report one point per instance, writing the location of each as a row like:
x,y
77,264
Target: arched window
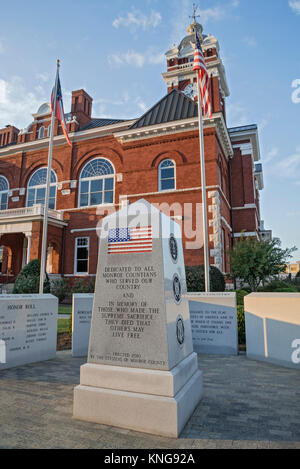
x,y
4,189
41,132
167,177
97,183
36,192
49,131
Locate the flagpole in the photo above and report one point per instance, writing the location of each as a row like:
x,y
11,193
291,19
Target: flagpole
x,y
203,185
47,195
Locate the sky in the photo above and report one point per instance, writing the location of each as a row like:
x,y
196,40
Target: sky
x,y
115,51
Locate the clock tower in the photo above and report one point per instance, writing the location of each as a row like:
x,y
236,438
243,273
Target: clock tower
x,y
180,74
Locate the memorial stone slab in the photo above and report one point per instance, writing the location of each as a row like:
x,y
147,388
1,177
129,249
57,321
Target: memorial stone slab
x,y
81,323
273,328
28,329
214,323
141,373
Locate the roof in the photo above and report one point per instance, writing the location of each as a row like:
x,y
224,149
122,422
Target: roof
x,y
94,123
244,128
173,107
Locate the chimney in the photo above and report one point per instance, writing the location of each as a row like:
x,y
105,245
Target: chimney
x,y
81,107
8,135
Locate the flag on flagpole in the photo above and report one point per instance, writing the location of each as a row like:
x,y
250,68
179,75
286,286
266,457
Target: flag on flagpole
x,y
200,67
59,113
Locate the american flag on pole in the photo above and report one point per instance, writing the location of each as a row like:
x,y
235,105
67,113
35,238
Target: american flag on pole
x,y
200,67
59,113
130,240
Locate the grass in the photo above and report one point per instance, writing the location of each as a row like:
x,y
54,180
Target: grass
x,y
65,310
63,326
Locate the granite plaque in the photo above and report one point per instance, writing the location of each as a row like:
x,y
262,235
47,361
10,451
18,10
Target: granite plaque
x,y
28,329
81,324
273,328
214,323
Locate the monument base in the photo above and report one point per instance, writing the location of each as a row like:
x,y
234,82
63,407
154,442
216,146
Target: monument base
x,y
147,401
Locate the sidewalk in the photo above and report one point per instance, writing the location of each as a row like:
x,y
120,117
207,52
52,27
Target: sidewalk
x,y
246,405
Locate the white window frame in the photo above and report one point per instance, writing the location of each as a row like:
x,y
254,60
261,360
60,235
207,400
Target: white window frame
x,y
160,179
42,186
97,178
4,192
76,259
41,130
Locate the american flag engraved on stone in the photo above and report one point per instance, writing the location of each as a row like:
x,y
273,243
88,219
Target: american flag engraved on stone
x,y
130,240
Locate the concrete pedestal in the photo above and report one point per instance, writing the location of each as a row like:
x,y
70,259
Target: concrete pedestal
x,y
148,401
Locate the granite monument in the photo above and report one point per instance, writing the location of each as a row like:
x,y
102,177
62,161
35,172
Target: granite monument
x,y
141,373
28,329
214,323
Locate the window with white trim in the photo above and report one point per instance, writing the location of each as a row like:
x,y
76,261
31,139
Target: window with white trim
x,y
4,189
97,183
36,191
82,248
41,132
167,176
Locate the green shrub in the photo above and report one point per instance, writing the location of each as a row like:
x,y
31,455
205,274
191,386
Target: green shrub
x,y
83,286
196,281
298,275
279,286
60,288
240,295
70,324
28,280
241,325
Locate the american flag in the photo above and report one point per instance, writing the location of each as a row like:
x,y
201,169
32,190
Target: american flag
x,y
60,114
130,240
200,67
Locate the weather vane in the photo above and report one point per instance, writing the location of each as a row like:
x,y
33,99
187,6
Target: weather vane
x,y
195,16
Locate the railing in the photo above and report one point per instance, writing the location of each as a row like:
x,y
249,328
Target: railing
x,y
36,210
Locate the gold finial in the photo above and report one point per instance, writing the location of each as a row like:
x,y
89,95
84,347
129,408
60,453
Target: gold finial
x,y
58,62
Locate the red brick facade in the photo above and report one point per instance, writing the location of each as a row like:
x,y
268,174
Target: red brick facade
x,y
232,187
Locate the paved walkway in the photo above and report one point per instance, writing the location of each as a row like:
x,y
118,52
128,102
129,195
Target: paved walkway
x,y
246,405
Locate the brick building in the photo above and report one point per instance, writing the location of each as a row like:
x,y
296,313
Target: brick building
x,y
114,162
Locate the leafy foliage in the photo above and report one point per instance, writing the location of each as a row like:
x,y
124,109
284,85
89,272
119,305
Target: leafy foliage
x,y
60,288
28,280
241,324
83,286
254,261
195,279
279,286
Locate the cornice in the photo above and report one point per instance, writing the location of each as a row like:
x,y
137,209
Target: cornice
x,y
60,140
181,126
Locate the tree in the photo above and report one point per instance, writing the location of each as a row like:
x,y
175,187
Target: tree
x,y
195,279
28,280
254,261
